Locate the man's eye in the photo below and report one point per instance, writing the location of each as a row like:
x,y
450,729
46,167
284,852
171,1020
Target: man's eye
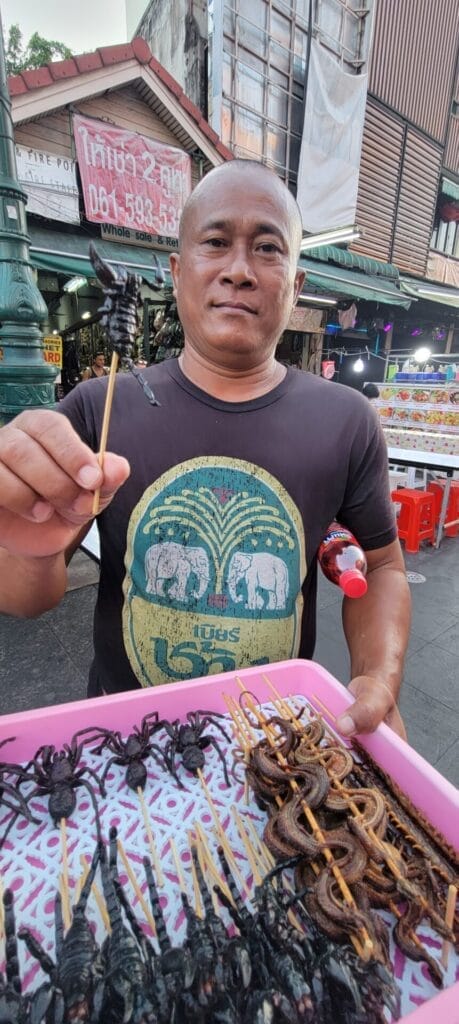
x,y
269,247
216,243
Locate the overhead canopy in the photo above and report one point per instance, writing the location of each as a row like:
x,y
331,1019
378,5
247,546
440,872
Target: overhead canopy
x,y
447,295
353,260
352,284
67,253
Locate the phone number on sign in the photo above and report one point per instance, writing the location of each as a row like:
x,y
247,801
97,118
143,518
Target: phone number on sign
x,y
135,211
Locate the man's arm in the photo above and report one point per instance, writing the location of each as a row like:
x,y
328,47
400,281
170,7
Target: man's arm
x,y
30,586
377,632
47,479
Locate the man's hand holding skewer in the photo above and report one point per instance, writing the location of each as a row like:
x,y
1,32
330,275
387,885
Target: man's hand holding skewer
x,y
47,481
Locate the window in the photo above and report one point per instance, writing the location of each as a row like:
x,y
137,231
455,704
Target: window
x,y
265,46
445,236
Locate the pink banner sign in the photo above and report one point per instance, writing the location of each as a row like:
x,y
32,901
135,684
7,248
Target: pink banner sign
x,y
130,180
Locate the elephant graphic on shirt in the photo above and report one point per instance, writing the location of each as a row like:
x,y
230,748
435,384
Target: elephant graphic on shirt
x,y
173,564
265,577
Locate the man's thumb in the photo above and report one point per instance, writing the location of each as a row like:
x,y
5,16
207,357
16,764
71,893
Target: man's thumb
x,y
345,724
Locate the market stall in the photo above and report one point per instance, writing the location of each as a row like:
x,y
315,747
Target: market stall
x,y
421,425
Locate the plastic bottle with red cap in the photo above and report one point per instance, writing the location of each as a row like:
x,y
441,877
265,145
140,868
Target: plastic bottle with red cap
x,y
342,560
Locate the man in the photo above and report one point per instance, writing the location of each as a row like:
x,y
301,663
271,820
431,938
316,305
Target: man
x,y
97,368
208,548
370,391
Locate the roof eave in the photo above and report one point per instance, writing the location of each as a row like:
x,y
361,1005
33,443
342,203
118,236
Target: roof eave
x,y
38,102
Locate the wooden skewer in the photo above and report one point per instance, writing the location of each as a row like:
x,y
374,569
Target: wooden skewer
x,y
316,831
64,878
208,864
178,866
135,885
243,738
449,920
221,835
247,846
207,868
337,784
151,843
391,863
85,864
81,880
106,424
264,854
382,846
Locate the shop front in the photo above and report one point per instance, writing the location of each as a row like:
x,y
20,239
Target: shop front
x,y
116,171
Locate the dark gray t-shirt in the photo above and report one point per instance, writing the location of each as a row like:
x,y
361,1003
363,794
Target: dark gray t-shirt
x,y
208,551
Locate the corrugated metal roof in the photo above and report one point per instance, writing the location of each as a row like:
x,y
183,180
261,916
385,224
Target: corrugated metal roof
x,y
447,295
68,253
354,284
353,260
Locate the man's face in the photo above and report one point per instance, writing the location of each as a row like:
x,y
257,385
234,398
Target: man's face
x,y
236,277
99,362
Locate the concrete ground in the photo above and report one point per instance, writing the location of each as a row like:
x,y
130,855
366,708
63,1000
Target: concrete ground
x,y
45,661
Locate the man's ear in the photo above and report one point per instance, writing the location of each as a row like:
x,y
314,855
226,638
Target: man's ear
x,y
300,278
174,263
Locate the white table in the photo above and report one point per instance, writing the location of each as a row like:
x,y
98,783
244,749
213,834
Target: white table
x,y
429,460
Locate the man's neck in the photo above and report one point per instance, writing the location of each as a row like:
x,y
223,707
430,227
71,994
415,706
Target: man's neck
x,y
227,384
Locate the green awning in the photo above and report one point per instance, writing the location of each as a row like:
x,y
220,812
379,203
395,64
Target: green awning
x,y
352,260
447,295
449,188
67,253
351,284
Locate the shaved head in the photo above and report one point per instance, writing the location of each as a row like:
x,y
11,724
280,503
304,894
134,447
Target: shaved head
x,y
227,174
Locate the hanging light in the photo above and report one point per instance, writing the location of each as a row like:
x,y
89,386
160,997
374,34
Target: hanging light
x,y
422,355
358,366
345,234
322,300
86,315
74,284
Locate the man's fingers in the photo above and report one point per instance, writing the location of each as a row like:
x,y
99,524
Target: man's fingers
x,y
373,705
46,468
116,470
56,436
357,719
50,464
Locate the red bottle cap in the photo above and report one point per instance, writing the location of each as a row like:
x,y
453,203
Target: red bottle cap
x,y
353,582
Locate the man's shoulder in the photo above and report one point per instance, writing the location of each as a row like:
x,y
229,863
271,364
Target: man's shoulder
x,y
331,392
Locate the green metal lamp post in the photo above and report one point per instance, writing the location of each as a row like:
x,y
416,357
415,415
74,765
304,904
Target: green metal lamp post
x,y
26,380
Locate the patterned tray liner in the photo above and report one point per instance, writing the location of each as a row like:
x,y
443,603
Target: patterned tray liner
x,y
31,860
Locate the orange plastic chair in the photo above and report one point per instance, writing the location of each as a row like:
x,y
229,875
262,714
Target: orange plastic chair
x,y
416,521
452,511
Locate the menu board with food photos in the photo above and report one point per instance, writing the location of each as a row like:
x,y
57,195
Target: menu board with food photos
x,y
422,406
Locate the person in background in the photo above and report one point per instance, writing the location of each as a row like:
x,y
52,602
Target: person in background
x,y
214,502
97,368
370,391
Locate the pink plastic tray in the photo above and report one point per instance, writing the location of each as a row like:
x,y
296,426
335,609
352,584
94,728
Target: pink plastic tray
x,y
433,794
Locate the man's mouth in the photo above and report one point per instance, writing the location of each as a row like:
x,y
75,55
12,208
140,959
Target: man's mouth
x,y
240,307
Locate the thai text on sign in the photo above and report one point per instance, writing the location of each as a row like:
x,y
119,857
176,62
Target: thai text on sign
x,y
131,180
52,350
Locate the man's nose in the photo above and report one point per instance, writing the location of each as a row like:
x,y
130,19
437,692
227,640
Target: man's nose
x,y
238,269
